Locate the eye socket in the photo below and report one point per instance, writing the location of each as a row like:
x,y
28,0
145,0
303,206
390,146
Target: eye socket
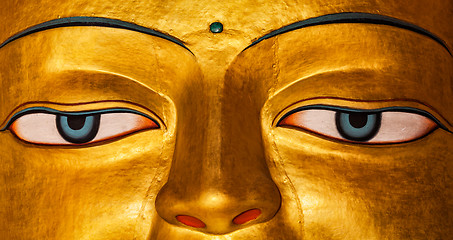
x,y
379,126
50,127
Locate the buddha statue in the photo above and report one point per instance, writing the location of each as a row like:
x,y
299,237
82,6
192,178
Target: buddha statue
x,y
225,120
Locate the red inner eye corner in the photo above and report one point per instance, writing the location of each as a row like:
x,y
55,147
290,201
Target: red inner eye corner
x,y
288,121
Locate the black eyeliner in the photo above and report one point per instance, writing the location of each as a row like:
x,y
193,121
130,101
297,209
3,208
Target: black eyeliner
x,y
79,113
379,110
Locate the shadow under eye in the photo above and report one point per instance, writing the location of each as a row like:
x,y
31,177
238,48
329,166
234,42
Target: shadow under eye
x,y
78,128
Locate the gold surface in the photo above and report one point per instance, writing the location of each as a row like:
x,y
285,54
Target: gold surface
x,y
219,151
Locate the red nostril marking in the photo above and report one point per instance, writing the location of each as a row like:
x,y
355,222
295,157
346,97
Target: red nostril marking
x,y
247,216
190,221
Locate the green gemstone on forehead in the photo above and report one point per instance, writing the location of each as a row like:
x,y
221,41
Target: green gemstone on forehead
x,y
216,27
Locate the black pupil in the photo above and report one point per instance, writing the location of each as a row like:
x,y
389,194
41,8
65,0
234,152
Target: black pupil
x,y
76,122
358,120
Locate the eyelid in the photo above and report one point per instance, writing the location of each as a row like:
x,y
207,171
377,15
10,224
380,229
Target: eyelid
x,y
32,110
385,109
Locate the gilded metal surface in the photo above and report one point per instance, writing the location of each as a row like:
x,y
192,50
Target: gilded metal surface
x,y
219,151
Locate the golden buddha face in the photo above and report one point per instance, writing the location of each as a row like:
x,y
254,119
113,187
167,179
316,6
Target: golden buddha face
x,y
226,120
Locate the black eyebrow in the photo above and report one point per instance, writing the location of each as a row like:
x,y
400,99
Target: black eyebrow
x,y
92,21
352,17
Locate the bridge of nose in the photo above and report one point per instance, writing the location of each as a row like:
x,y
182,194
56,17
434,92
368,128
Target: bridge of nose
x,y
219,169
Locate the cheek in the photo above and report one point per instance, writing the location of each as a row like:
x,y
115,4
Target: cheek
x,y
332,206
110,200
97,192
352,192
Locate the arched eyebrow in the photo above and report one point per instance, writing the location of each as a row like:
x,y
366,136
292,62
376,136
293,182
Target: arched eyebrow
x,y
352,17
92,21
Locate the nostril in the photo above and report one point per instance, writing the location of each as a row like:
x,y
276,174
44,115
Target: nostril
x,y
190,221
247,216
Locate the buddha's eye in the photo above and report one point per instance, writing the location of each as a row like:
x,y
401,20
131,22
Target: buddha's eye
x,y
50,127
379,126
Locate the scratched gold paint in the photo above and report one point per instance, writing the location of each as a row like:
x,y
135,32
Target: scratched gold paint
x,y
219,151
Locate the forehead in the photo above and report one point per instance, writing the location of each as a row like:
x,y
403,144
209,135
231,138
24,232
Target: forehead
x,y
244,21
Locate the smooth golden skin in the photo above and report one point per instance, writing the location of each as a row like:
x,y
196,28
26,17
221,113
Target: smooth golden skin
x,y
219,151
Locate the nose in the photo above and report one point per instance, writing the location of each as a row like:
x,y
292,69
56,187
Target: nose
x,y
219,181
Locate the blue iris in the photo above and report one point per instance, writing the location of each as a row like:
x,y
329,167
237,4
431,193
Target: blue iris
x,y
78,128
358,126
